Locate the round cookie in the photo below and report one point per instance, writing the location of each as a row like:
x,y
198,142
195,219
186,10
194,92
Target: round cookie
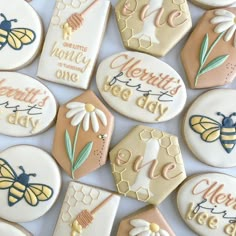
x,y
206,203
21,34
210,128
211,4
30,183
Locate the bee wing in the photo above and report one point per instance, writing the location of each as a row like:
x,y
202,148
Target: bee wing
x,y
19,37
207,127
6,170
6,183
37,192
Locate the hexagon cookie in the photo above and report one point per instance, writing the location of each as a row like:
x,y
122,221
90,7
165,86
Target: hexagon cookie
x,y
210,52
83,133
87,211
152,26
148,221
147,165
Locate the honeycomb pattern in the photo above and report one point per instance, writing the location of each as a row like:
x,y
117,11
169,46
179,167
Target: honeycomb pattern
x,y
85,195
61,5
170,152
141,41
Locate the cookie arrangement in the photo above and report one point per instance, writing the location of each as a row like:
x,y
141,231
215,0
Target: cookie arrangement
x,y
117,176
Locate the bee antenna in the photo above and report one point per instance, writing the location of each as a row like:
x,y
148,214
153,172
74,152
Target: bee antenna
x,y
14,20
220,114
3,16
34,175
233,114
22,168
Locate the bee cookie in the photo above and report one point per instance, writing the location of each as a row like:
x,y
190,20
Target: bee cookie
x,y
10,229
87,211
21,34
83,134
147,165
210,128
207,204
27,107
73,42
152,26
209,55
147,221
30,183
211,4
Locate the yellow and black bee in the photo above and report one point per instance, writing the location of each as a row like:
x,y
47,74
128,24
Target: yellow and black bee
x,y
16,38
212,130
19,186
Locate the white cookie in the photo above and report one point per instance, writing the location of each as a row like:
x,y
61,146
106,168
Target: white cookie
x,y
27,107
30,183
21,34
211,4
210,128
207,204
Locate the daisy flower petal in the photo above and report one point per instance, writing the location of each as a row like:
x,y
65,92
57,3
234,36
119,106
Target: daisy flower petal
x,y
78,118
152,234
138,230
101,116
222,12
73,105
73,112
223,27
94,121
86,122
139,223
220,19
157,234
230,33
145,233
164,233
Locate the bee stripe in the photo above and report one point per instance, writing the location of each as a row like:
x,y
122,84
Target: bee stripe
x,y
229,146
3,32
228,130
2,40
16,193
19,186
228,137
12,199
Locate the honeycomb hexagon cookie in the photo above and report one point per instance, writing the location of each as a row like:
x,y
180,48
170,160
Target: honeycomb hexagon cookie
x,y
147,165
152,26
147,221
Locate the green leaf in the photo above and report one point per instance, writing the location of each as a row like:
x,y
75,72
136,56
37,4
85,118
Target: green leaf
x,y
68,147
214,64
204,48
84,154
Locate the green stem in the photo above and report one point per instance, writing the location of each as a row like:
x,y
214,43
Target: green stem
x,y
206,57
74,149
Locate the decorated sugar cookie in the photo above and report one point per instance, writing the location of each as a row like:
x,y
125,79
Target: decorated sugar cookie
x,y
147,164
141,87
30,182
206,203
147,221
83,134
209,54
73,41
210,128
152,26
10,229
211,4
21,34
87,211
27,107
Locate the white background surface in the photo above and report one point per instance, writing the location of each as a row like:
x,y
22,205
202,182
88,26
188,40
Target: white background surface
x,y
112,44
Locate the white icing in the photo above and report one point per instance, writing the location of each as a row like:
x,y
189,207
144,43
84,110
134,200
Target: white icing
x,y
185,197
33,160
24,123
142,228
9,230
225,21
208,104
76,201
79,115
215,3
26,18
89,36
129,107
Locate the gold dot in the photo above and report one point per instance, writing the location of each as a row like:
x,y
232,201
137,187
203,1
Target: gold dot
x,y
154,227
89,107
